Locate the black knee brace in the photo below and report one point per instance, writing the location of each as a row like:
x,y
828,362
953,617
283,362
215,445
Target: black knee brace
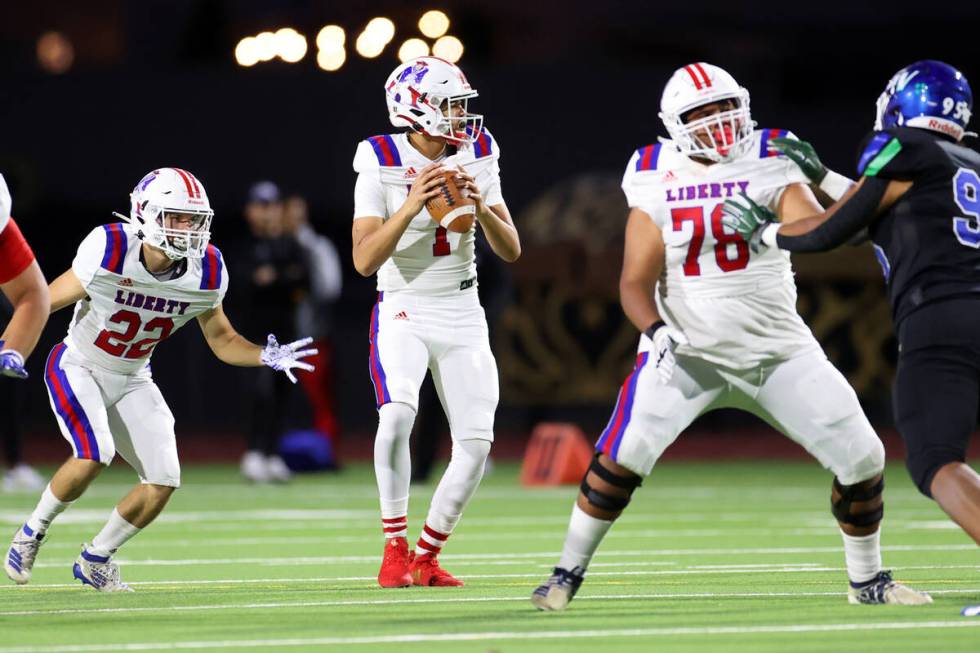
x,y
602,500
851,493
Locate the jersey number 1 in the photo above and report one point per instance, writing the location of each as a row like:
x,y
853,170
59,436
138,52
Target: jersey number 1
x,y
441,246
695,214
966,194
117,344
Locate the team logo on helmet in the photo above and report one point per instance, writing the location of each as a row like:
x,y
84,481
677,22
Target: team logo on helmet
x,y
415,72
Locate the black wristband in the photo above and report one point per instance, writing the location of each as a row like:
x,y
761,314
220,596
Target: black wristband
x,y
650,330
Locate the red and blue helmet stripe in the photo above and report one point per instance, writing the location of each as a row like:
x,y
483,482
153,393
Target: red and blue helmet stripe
x,y
116,244
764,151
385,150
648,157
211,268
612,436
68,407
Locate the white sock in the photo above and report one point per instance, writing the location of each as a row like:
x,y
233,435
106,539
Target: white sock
x,y
47,509
116,532
585,532
393,466
862,556
454,491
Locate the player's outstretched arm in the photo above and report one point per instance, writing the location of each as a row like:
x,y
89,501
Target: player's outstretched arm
x,y
374,239
230,347
830,183
820,232
28,293
855,211
65,291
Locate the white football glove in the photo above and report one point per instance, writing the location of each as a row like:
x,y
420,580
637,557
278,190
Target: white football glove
x,y
665,339
5,202
285,358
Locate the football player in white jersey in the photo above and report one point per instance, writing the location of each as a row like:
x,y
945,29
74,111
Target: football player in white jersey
x,y
23,284
132,285
428,315
723,330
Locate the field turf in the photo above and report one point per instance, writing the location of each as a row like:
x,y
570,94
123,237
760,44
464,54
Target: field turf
x,y
710,557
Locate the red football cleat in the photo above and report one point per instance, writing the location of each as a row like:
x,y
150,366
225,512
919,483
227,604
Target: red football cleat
x,y
394,566
425,571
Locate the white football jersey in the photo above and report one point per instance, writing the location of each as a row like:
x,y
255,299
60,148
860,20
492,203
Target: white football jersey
x,y
4,219
428,259
127,310
736,307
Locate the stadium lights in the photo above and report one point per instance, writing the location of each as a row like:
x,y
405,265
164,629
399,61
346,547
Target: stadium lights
x,y
55,53
331,37
449,48
376,35
331,60
383,28
330,45
290,45
246,52
434,24
412,48
265,46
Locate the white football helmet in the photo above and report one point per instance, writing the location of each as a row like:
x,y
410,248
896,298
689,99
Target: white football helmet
x,y
421,94
721,137
170,211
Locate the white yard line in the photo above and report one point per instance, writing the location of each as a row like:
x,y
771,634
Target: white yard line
x,y
474,535
492,636
275,605
685,571
455,557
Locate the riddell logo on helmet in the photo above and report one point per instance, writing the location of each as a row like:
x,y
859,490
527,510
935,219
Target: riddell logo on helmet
x,y
943,126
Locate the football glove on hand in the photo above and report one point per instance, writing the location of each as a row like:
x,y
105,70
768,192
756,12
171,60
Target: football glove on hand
x,y
803,155
11,362
665,340
748,220
285,358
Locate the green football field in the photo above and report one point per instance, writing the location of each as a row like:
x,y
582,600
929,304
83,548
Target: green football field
x,y
709,557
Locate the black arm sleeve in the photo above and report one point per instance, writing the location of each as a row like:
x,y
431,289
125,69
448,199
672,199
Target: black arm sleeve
x,y
855,214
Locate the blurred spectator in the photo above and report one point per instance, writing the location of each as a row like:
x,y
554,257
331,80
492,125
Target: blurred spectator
x,y
19,476
269,282
315,315
495,290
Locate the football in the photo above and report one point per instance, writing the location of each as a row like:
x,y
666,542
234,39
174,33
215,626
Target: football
x,y
451,208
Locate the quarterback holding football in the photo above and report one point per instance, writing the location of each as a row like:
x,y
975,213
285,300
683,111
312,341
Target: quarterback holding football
x,y
418,195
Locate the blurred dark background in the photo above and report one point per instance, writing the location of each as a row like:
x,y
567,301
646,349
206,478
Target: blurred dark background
x,y
96,94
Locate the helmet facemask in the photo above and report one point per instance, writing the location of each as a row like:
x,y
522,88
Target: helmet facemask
x,y
719,137
454,122
183,233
